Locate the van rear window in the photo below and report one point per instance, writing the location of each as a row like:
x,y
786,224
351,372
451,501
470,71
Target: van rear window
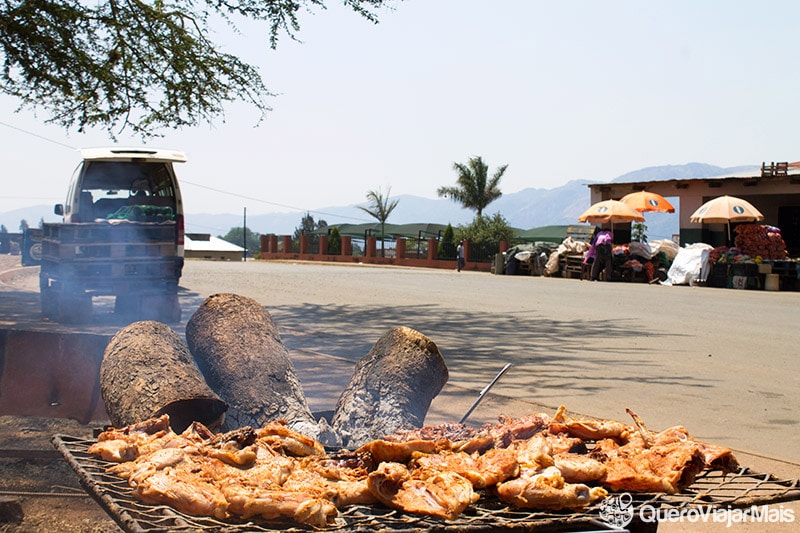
x,y
115,178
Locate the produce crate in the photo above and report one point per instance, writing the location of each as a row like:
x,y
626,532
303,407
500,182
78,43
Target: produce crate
x,y
718,277
744,269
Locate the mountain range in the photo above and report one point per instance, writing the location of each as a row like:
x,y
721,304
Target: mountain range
x,y
528,208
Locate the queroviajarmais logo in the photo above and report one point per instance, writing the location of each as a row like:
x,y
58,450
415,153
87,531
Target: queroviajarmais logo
x,y
617,510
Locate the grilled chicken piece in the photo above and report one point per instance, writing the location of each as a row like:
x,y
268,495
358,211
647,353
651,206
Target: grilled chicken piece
x,y
509,429
482,471
279,435
545,450
187,494
533,453
302,507
588,429
463,438
340,485
175,476
662,468
455,437
269,470
427,492
718,458
115,450
152,426
123,444
714,457
547,489
396,452
577,468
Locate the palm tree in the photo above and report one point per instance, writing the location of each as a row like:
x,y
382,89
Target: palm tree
x,y
380,208
474,190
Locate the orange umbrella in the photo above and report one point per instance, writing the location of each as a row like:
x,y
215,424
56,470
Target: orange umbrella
x,y
644,201
610,211
724,210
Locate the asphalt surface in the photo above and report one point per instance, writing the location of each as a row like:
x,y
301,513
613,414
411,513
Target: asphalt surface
x,y
721,362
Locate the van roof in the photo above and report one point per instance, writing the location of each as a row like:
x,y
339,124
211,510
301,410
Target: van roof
x,y
127,153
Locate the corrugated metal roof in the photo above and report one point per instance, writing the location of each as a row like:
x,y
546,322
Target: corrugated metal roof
x,y
211,244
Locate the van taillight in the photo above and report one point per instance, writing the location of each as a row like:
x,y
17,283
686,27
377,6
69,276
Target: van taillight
x,y
180,230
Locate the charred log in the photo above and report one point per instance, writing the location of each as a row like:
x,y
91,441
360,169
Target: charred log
x,y
147,371
391,389
239,350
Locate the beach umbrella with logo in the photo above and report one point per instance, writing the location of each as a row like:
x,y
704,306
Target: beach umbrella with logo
x,y
648,202
612,211
725,210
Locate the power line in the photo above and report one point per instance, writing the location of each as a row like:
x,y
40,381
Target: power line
x,y
187,182
271,203
37,135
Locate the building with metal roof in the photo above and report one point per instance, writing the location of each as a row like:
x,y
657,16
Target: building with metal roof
x,y
774,190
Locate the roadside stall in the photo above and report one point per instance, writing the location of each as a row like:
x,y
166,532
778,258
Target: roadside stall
x,y
600,214
756,257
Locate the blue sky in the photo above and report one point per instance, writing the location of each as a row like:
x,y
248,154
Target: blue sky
x,y
558,90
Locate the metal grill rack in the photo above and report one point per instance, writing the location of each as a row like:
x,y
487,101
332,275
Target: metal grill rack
x,y
742,489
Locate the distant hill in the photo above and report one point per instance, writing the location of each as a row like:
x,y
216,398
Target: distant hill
x,y
528,208
32,215
687,171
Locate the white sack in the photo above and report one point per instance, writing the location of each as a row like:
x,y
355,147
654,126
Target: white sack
x,y
689,264
667,246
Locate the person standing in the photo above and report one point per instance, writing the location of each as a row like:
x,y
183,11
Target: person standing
x,y
603,255
460,262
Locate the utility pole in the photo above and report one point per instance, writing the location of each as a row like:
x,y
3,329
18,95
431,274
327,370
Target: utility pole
x,y
244,236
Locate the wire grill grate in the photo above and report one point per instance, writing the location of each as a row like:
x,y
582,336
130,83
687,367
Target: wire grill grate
x,y
711,489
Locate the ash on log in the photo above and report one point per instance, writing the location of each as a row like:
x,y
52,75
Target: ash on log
x,y
147,371
239,350
391,389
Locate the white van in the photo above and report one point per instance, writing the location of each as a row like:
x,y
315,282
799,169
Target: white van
x,y
122,234
108,180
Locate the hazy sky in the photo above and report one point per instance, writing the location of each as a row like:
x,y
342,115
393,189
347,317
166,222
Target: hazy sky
x,y
558,90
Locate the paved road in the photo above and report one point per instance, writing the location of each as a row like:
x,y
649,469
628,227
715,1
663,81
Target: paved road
x,y
722,362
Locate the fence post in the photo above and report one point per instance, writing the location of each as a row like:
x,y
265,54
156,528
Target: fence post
x,y
303,243
323,244
432,249
287,244
371,247
400,248
503,246
347,245
467,251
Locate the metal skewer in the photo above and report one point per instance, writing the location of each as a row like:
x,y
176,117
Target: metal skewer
x,y
483,392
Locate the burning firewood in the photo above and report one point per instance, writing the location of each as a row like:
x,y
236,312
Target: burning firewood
x,y
147,371
391,389
239,350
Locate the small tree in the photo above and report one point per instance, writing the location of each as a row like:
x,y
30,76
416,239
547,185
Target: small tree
x,y
23,225
307,227
238,235
380,208
446,246
639,232
486,230
334,241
